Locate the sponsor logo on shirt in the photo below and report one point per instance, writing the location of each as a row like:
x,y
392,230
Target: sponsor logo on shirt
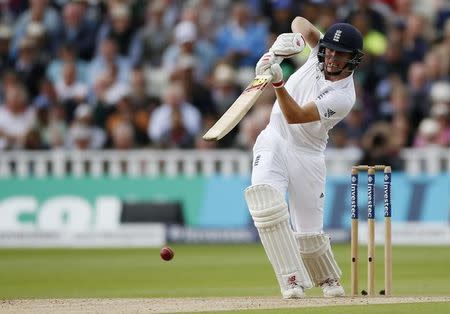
x,y
329,113
257,158
322,95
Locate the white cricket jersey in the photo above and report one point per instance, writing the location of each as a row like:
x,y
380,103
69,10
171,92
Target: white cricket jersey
x,y
334,101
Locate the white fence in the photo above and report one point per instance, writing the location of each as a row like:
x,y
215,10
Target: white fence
x,y
429,160
150,162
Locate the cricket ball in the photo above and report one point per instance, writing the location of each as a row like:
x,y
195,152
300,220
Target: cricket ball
x,y
166,253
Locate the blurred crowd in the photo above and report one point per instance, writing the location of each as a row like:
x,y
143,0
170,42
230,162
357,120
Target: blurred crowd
x,y
123,74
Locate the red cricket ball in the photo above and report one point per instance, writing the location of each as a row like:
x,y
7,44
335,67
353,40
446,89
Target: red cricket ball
x,y
166,253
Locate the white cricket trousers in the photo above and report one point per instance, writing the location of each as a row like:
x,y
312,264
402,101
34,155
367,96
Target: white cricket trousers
x,y
296,171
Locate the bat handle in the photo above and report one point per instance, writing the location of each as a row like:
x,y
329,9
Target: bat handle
x,y
277,60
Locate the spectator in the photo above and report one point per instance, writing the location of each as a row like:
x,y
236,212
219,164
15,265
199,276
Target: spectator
x,y
224,89
418,88
139,95
120,28
188,44
374,17
282,15
108,86
108,56
83,134
8,78
124,114
41,12
428,133
28,66
440,92
327,17
401,132
143,104
43,45
155,35
6,61
375,42
311,10
443,50
440,110
91,11
12,9
415,42
54,132
209,15
69,88
33,140
177,136
123,136
241,41
393,60
66,53
398,103
79,137
17,118
77,31
195,92
378,147
177,115
435,67
441,113
402,9
47,96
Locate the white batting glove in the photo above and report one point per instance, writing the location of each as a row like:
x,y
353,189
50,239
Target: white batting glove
x,y
288,44
266,62
277,75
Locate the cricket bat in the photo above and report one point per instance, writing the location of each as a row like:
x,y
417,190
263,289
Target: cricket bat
x,y
239,108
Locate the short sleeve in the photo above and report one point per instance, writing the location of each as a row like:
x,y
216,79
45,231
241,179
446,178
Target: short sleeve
x,y
333,106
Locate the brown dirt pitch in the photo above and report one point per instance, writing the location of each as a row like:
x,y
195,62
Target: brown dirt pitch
x,y
174,305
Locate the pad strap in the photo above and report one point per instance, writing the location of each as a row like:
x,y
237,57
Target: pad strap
x,y
319,260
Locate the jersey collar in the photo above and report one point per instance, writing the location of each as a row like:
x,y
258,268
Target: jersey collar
x,y
341,83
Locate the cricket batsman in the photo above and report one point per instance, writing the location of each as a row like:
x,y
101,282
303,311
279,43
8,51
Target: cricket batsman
x,y
288,156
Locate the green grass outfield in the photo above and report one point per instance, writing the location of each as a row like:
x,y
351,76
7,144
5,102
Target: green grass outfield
x,y
208,271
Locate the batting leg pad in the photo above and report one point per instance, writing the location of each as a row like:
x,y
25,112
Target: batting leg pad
x,y
315,250
271,217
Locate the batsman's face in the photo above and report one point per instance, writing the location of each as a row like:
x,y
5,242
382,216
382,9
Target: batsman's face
x,y
335,61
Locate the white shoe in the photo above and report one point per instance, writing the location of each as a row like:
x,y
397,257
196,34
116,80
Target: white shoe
x,y
332,288
294,292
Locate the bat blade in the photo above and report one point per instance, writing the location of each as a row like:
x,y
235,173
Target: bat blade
x,y
239,108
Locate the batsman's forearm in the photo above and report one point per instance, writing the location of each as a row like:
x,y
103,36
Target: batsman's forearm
x,y
293,113
310,33
301,25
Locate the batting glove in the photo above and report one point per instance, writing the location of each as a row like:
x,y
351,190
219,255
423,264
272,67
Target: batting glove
x,y
265,63
287,45
277,75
